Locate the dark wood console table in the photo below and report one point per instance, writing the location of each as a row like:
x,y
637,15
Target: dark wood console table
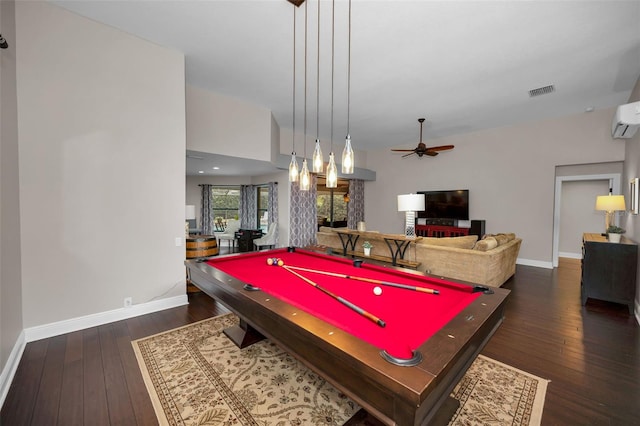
x,y
609,270
397,243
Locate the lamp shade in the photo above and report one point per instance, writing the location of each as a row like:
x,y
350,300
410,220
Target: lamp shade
x,y
610,203
190,212
410,202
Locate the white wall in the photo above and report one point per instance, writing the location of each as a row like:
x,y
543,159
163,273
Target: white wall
x,y
632,170
223,125
509,171
10,259
102,143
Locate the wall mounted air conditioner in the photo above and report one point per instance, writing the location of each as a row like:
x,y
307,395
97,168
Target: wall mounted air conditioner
x,y
626,120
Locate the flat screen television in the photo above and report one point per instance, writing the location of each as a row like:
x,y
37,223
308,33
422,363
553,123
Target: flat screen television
x,y
452,204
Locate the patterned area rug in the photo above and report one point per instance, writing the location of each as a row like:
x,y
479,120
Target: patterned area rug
x,y
196,376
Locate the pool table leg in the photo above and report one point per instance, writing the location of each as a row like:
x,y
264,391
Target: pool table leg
x,y
243,334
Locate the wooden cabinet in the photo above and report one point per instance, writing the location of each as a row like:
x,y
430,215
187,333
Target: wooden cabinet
x,y
609,270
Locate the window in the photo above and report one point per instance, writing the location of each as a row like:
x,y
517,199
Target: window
x,y
331,204
226,204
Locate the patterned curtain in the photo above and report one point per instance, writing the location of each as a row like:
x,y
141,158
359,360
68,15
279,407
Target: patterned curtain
x,y
248,207
206,210
355,212
303,215
272,211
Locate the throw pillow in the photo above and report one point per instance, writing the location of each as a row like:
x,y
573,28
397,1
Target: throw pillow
x,y
486,244
501,239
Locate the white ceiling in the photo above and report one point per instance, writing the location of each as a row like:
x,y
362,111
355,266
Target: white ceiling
x,y
464,65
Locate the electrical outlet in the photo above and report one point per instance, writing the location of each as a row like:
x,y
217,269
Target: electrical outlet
x,y
178,241
128,301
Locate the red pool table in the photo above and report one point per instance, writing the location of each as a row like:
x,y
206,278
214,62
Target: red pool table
x,y
398,354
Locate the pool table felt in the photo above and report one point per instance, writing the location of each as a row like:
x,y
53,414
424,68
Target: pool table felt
x,y
411,317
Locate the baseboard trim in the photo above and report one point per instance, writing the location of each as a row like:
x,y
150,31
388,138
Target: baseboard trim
x,y
570,255
536,263
93,320
10,368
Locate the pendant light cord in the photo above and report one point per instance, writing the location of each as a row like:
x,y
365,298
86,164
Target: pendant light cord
x,y
293,137
318,80
333,29
305,79
349,76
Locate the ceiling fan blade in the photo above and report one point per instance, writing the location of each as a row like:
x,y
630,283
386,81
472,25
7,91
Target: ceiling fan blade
x,y
440,148
403,150
406,155
431,153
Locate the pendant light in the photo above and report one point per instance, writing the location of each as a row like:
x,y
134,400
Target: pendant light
x,y
305,176
348,159
293,166
332,170
317,160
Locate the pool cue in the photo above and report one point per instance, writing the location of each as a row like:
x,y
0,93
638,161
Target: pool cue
x,y
369,280
339,299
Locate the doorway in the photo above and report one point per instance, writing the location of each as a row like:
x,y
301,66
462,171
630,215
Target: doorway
x,y
574,210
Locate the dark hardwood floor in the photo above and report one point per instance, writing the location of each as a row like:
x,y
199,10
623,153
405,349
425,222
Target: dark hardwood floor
x,y
591,355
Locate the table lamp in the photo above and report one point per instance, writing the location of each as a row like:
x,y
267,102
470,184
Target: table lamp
x,y
410,204
189,214
610,204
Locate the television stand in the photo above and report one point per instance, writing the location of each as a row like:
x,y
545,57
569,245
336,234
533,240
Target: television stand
x,y
440,231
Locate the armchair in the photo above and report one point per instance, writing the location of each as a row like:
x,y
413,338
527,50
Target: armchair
x,y
229,233
269,239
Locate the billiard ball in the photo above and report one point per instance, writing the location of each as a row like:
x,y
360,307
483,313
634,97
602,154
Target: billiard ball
x,y
377,291
269,261
280,262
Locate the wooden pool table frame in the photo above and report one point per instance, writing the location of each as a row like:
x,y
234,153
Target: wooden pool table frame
x,y
396,395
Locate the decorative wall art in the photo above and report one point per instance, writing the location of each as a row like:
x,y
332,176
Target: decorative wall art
x,y
633,195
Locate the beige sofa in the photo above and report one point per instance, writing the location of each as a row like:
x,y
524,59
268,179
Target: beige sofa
x,y
491,261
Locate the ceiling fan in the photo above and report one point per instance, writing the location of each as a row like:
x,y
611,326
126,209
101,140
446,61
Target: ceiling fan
x,y
422,149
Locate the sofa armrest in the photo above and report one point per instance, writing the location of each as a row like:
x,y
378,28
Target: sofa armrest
x,y
493,267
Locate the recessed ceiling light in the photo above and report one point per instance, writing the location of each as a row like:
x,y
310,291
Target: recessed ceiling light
x,y
200,171
589,109
216,168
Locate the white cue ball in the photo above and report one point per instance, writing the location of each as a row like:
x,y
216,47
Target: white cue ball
x,y
377,291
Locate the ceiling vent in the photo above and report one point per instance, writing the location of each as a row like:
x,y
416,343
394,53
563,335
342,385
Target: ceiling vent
x,y
542,91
